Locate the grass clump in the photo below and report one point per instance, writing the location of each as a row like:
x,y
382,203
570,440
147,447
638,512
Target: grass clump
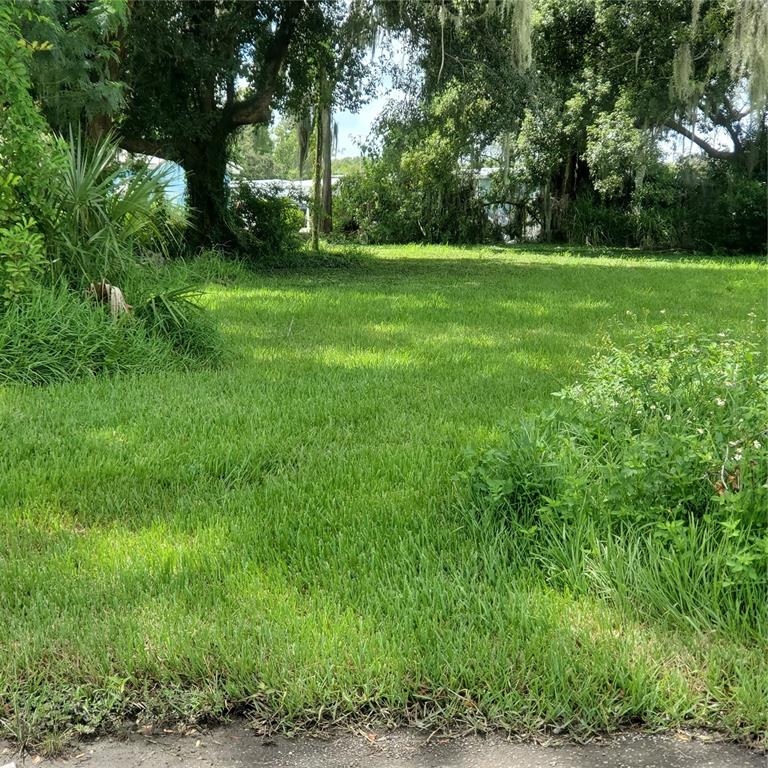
x,y
53,335
175,315
648,484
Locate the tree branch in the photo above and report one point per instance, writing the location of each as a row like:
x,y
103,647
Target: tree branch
x,y
729,118
733,132
148,147
720,154
258,108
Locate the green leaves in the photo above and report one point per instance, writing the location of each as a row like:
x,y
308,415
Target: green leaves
x,y
27,156
77,79
21,258
175,315
104,215
664,437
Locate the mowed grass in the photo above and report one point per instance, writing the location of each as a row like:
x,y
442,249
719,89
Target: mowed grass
x,y
284,536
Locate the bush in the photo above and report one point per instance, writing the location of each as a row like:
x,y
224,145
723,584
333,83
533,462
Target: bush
x,y
409,204
593,222
649,480
699,205
104,218
21,259
70,214
267,225
167,240
29,158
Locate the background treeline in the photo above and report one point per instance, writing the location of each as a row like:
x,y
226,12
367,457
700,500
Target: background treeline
x,y
573,105
578,119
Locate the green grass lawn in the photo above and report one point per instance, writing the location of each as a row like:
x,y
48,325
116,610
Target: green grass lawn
x,y
283,535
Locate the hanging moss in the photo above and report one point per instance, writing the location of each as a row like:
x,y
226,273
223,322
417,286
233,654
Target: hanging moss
x,y
749,47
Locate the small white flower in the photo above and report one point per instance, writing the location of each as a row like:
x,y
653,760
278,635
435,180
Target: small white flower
x,y
699,430
737,456
667,417
720,401
653,407
757,444
662,311
721,335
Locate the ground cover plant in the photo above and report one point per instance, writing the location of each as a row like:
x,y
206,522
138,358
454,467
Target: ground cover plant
x,y
289,535
648,482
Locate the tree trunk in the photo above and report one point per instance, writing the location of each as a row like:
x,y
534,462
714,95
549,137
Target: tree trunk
x,y
316,201
546,214
326,218
564,182
206,166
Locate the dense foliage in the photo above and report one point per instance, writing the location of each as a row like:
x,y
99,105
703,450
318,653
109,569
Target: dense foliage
x,y
77,227
582,140
105,219
267,225
650,480
381,204
414,189
199,73
695,204
76,77
29,157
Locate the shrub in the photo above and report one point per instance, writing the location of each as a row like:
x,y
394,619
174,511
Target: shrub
x,y
267,225
54,334
413,202
650,479
29,158
103,217
592,222
167,237
21,259
71,213
697,204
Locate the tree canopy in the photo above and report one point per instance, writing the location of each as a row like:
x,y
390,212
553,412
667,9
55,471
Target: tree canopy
x,y
570,99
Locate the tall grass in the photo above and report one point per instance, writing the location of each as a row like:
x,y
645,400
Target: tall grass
x,y
649,482
52,335
176,315
55,334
